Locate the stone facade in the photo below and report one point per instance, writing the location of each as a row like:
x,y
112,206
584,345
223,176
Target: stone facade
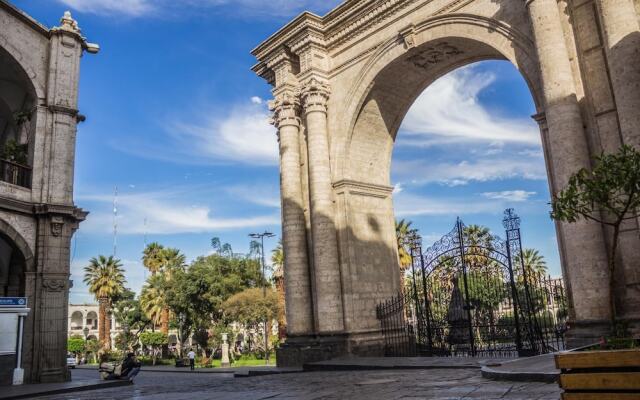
x,y
342,86
39,72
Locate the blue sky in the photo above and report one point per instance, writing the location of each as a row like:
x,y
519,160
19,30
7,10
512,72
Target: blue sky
x,y
178,122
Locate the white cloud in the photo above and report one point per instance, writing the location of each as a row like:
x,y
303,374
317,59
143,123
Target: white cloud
x,y
128,7
166,212
243,136
461,173
449,111
510,195
411,205
262,195
139,8
397,188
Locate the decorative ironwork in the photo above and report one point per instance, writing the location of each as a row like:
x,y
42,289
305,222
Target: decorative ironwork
x,y
471,295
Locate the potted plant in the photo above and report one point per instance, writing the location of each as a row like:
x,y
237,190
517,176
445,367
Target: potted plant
x,y
15,152
608,194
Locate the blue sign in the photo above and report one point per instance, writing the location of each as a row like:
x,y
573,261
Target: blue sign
x,y
13,302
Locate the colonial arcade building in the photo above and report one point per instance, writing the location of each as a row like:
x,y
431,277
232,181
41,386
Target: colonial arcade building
x,y
39,71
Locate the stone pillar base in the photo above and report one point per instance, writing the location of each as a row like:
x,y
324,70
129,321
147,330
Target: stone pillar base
x,y
55,376
585,333
301,350
297,351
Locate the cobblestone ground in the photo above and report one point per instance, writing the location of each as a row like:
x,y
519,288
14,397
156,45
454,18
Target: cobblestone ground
x,y
351,385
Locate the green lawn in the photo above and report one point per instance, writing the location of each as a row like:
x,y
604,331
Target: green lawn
x,y
245,362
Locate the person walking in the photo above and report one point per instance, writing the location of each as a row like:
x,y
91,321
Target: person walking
x,y
192,359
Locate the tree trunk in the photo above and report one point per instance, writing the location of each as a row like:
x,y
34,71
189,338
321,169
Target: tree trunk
x,y
107,326
164,321
102,311
612,277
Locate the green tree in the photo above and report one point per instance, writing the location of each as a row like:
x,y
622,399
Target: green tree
x,y
534,263
403,232
478,247
152,257
129,313
608,194
221,249
93,346
163,264
153,298
252,308
154,341
75,346
277,258
105,278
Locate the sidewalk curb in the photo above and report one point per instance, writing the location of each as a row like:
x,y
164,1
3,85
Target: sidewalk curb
x,y
359,367
50,392
545,377
241,372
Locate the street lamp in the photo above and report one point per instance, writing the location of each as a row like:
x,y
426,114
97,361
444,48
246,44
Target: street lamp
x,y
261,236
85,330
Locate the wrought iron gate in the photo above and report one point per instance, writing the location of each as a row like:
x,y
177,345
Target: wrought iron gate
x,y
470,294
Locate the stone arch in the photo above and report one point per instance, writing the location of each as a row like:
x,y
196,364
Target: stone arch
x,y
464,39
21,244
93,317
76,320
16,55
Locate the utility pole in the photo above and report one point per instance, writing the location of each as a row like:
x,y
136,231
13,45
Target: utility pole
x,y
115,222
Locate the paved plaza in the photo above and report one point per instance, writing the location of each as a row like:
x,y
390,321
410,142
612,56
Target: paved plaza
x,y
353,385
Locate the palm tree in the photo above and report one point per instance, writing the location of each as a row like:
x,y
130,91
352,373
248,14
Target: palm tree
x,y
221,249
534,264
151,257
403,231
277,260
477,246
152,298
171,261
105,278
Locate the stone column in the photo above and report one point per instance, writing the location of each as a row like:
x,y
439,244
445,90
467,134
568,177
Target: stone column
x,y
296,263
582,244
622,38
327,280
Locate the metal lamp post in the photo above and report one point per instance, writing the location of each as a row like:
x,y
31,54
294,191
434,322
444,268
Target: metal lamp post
x,y
261,236
85,331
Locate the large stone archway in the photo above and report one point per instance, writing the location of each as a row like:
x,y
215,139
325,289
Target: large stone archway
x,y
342,86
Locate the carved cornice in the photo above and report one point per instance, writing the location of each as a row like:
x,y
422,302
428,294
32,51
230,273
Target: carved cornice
x,y
63,110
365,19
363,188
314,95
13,205
71,212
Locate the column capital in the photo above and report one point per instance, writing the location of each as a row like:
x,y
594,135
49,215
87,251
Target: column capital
x,y
314,95
285,108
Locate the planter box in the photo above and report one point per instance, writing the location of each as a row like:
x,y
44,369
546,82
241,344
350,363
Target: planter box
x,y
600,375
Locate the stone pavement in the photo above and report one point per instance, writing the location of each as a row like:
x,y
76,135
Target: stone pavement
x,y
437,384
372,363
84,383
237,371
